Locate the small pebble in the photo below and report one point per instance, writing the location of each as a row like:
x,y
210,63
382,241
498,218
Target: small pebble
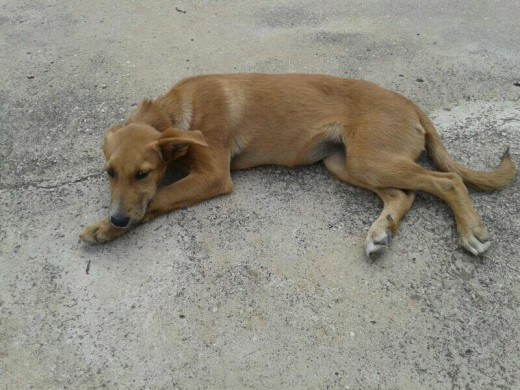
x,y
104,86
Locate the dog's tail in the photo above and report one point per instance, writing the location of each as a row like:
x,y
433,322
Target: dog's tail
x,y
484,181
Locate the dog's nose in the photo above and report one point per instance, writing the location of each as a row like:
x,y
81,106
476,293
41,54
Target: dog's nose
x,y
119,221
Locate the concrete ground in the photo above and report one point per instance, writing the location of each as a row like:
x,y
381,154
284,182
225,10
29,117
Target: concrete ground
x,y
267,288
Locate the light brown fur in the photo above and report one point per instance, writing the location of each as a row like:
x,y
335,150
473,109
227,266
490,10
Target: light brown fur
x,y
365,135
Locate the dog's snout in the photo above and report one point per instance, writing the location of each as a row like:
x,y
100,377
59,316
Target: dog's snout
x,y
119,221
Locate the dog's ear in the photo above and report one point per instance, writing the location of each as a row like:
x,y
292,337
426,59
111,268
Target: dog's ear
x,y
152,114
108,135
174,144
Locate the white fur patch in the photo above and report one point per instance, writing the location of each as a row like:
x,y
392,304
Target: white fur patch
x,y
185,117
235,102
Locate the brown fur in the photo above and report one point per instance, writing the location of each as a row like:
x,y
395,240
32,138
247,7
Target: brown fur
x,y
365,135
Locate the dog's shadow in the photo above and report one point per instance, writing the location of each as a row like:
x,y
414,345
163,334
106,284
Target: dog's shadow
x,y
175,172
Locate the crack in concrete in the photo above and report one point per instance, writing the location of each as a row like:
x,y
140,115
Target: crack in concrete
x,y
36,184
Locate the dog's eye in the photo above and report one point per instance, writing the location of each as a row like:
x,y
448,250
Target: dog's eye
x,y
111,172
141,175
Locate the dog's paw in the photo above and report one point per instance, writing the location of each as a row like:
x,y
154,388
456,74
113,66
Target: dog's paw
x,y
376,244
475,241
99,232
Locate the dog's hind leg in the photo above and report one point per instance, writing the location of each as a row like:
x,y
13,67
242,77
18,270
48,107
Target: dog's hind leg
x,y
396,205
394,171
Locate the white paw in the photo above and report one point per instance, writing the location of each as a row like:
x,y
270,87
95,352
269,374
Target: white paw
x,y
474,245
377,244
475,239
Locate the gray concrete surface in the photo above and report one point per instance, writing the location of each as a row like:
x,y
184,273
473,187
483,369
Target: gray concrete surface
x,y
266,288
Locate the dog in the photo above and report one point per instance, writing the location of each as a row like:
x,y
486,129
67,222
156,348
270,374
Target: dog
x,y
365,135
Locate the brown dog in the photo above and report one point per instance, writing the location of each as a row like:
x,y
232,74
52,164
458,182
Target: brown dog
x,y
365,135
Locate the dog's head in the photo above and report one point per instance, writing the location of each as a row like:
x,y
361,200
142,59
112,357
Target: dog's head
x,y
137,156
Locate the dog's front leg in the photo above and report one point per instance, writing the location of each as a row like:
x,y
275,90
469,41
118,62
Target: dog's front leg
x,y
188,191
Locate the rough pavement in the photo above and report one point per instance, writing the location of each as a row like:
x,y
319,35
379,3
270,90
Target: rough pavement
x,y
267,287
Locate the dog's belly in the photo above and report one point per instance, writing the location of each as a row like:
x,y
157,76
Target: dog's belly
x,y
246,160
323,150
286,157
